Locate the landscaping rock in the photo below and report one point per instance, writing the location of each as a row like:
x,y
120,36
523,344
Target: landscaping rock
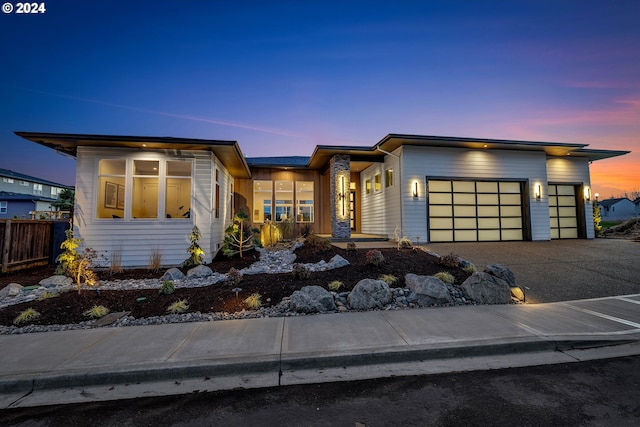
x,y
502,272
55,281
484,288
337,262
11,290
173,274
312,299
369,294
199,271
427,290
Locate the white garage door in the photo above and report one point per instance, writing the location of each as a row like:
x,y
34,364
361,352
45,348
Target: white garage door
x,y
471,211
563,211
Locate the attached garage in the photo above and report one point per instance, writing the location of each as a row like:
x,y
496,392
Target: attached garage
x,y
475,210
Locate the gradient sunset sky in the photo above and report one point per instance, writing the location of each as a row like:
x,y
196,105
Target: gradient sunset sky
x,y
282,77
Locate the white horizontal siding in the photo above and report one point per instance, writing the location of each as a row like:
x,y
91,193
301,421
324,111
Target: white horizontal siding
x,y
137,238
573,171
438,162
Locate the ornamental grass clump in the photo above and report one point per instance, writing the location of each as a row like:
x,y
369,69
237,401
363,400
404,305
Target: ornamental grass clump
x,y
253,301
26,316
351,246
335,285
300,271
318,244
451,260
389,279
97,312
374,257
446,277
405,243
178,307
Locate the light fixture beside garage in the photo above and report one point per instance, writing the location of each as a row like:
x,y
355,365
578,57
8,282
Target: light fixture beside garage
x,y
415,190
538,192
587,194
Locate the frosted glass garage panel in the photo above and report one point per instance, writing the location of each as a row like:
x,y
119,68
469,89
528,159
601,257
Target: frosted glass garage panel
x,y
554,222
487,187
464,199
510,187
488,235
555,234
467,223
466,235
440,186
465,211
488,211
446,210
510,211
566,190
489,223
440,198
568,222
566,212
441,223
568,233
566,201
464,187
510,199
488,199
511,222
441,235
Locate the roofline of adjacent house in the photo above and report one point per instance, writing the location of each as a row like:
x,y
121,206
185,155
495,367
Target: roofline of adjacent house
x,y
25,177
68,144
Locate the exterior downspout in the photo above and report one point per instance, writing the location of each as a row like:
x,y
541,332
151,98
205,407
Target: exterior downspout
x,y
401,186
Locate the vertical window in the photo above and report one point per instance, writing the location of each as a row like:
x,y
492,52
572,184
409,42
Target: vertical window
x,y
144,203
231,201
111,185
284,200
3,207
37,188
178,189
388,178
367,186
262,195
377,185
24,183
217,201
304,201
8,180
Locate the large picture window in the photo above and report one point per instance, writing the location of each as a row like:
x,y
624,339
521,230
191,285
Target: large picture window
x,y
284,200
111,188
178,189
262,195
304,201
144,203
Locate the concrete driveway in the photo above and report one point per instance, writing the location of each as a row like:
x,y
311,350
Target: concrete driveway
x,y
560,270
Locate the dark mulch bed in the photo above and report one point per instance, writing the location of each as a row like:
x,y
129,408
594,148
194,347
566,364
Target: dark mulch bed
x,y
69,307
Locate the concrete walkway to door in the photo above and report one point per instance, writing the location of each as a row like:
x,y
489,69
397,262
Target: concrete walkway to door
x,y
560,270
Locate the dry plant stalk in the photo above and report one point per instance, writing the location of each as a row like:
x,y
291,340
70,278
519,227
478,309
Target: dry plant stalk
x,y
116,261
155,259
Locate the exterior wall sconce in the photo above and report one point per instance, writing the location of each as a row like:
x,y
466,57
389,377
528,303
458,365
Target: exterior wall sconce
x,y
538,192
587,194
415,190
341,195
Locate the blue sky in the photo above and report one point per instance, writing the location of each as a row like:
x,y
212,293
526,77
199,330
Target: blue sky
x,y
282,77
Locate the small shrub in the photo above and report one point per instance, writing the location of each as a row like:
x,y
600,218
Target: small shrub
x,y
389,279
167,288
155,259
253,301
446,277
240,236
97,311
179,306
335,285
405,243
305,230
26,316
77,265
300,271
196,253
374,257
470,268
234,276
48,295
318,244
351,246
451,260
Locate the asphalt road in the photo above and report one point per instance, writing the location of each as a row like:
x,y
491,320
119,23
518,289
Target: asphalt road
x,y
597,393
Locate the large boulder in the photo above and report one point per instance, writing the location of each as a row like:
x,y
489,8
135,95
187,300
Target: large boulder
x,y
173,274
11,290
483,288
199,271
502,272
337,262
312,299
55,281
427,290
369,294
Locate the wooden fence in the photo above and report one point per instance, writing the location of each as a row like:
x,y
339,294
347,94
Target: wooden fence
x,y
25,243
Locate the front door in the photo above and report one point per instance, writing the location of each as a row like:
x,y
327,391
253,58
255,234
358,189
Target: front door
x,y
352,209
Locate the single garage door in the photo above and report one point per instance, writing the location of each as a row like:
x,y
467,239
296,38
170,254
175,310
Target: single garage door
x,y
563,211
471,211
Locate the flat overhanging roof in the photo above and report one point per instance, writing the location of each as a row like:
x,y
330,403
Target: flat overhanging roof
x,y
228,152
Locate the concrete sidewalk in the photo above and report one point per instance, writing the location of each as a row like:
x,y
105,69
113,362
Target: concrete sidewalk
x,y
129,362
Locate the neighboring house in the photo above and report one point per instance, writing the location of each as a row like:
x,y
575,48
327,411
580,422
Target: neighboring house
x,y
142,194
617,209
636,204
22,194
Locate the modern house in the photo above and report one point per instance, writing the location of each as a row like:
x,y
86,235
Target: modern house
x,y
21,195
139,194
617,209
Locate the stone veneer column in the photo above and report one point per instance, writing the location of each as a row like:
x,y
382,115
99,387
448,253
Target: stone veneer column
x,y
340,172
